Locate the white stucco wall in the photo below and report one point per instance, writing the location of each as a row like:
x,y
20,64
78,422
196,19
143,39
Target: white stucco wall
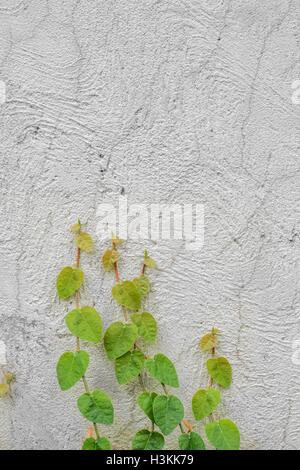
x,y
171,101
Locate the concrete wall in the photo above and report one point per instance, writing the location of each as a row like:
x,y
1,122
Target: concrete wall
x,y
174,101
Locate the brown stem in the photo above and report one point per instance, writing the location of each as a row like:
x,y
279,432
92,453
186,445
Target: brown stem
x,y
116,272
118,281
78,341
211,416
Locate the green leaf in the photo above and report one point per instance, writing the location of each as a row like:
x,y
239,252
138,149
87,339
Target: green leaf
x,y
96,407
220,370
127,295
84,241
129,366
145,400
147,326
208,342
191,441
205,402
146,440
96,444
119,338
71,367
142,284
168,413
162,369
68,282
223,434
4,388
109,258
85,323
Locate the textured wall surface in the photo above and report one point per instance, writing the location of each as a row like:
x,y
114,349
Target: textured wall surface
x,y
166,101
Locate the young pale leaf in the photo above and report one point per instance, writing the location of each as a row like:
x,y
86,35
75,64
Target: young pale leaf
x,y
162,369
96,444
145,400
223,434
71,367
142,284
205,402
4,388
119,338
149,262
215,331
220,370
76,227
68,282
191,441
127,295
109,258
85,323
168,413
9,377
129,366
96,407
147,326
116,240
208,342
146,440
84,241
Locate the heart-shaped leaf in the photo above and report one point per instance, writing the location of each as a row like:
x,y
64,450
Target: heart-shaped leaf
x,y
220,370
162,369
145,400
71,367
147,326
191,441
208,342
84,241
109,258
146,440
68,282
142,284
129,366
205,402
119,338
96,407
96,444
85,323
4,388
168,413
127,295
223,434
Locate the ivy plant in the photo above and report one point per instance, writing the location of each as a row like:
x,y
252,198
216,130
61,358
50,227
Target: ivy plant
x,y
122,345
223,434
85,324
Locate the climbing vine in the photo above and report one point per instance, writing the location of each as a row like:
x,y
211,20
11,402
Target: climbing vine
x,y
223,434
122,344
85,324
